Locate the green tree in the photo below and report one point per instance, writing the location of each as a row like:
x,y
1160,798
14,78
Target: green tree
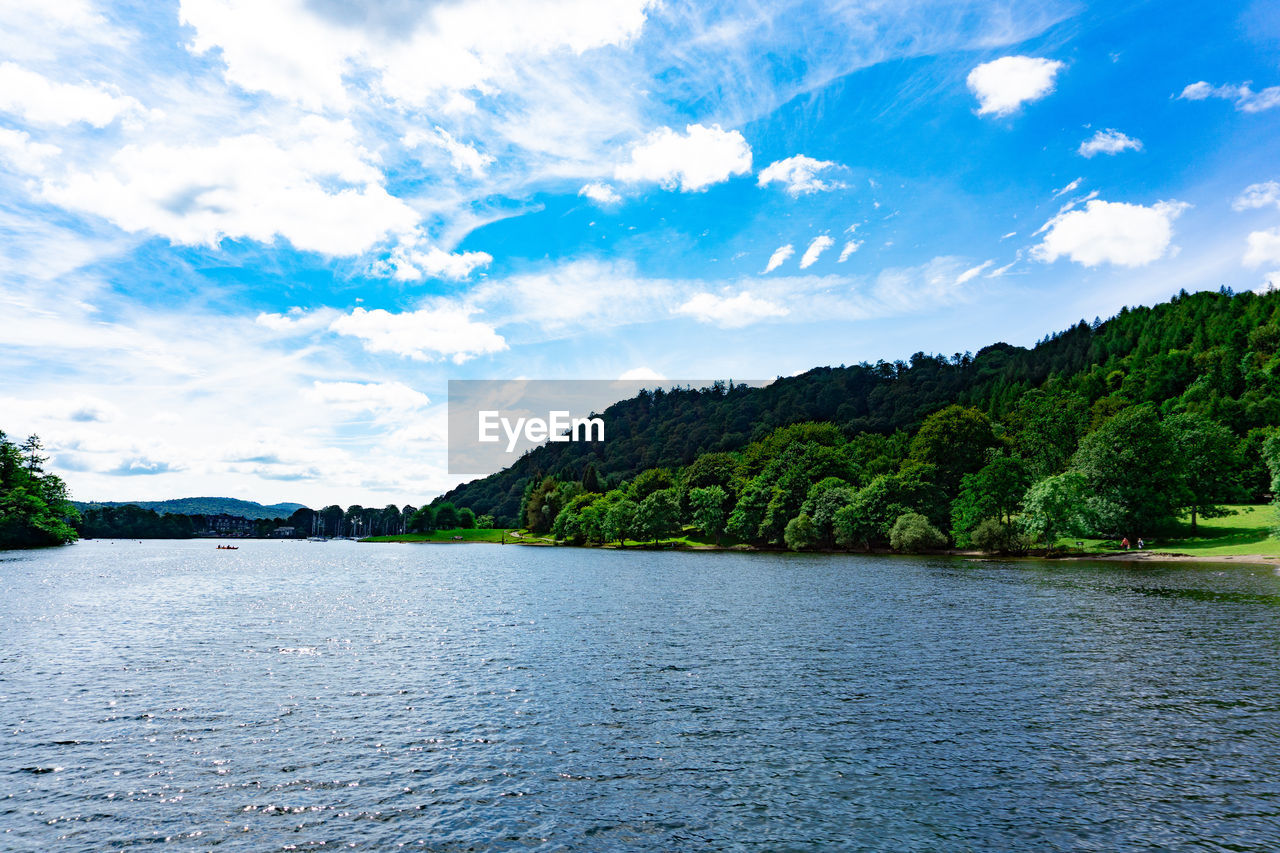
x,y
1132,473
649,481
957,441
1210,465
1057,506
466,518
423,520
591,479
744,521
620,520
997,537
34,507
993,492
446,515
658,515
912,532
801,534
708,505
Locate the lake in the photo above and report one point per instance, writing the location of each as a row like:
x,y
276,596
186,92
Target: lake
x,y
301,696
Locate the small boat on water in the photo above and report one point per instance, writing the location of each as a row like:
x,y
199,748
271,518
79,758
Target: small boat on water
x,y
228,547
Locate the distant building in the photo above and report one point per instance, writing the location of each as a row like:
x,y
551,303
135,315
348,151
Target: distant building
x,y
223,524
283,532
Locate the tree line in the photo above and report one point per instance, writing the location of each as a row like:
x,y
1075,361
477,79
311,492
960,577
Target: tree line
x,y
1109,428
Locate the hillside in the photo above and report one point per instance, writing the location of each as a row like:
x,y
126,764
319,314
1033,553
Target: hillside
x,y
205,506
1212,353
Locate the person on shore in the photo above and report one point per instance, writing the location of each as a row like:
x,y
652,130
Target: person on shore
x,y
1124,543
1140,543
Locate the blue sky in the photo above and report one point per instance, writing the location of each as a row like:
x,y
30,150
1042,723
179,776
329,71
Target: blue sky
x,y
244,244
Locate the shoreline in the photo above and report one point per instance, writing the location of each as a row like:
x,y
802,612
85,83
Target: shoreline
x,y
1145,556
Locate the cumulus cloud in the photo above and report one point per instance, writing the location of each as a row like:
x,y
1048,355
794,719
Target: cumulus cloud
x,y
1005,84
425,335
600,193
819,245
1258,195
1128,235
1108,142
463,157
1263,248
39,100
779,257
799,175
702,156
1245,99
377,397
313,185
640,373
730,311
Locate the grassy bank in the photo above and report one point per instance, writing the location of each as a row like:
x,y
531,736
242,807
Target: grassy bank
x,y
1248,531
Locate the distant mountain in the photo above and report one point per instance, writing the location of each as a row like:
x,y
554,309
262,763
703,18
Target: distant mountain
x,y
206,506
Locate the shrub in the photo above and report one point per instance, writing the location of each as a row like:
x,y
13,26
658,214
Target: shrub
x,y
912,532
993,536
801,533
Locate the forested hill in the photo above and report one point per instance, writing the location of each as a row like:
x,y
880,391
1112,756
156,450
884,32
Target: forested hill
x,y
1213,353
205,506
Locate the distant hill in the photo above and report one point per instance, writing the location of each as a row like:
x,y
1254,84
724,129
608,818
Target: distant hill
x,y
206,506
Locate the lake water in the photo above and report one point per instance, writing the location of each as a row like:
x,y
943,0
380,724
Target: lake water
x,y
295,695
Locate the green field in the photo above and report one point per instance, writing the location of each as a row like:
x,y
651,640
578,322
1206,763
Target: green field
x,y
1248,531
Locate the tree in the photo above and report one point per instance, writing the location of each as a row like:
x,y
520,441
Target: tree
x,y
827,497
466,519
1210,465
994,492
744,521
801,533
1056,506
957,440
995,536
620,520
485,522
912,532
1132,473
658,515
34,507
649,481
591,479
708,508
423,520
331,518
446,516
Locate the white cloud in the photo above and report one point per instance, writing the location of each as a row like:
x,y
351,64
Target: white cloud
x,y
640,373
731,311
1108,142
368,396
819,245
415,259
576,293
313,185
17,149
849,248
701,157
1129,235
1264,248
39,100
1258,195
462,157
1005,84
973,272
799,174
1069,188
1270,282
779,257
1246,100
426,334
600,194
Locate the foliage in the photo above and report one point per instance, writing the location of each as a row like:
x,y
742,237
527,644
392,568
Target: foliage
x,y
708,510
912,533
1057,506
658,515
1132,474
34,507
801,533
998,537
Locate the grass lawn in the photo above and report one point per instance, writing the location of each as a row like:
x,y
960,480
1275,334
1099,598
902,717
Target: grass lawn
x,y
1246,532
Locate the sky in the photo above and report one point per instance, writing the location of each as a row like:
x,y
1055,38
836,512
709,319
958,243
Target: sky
x,y
244,244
